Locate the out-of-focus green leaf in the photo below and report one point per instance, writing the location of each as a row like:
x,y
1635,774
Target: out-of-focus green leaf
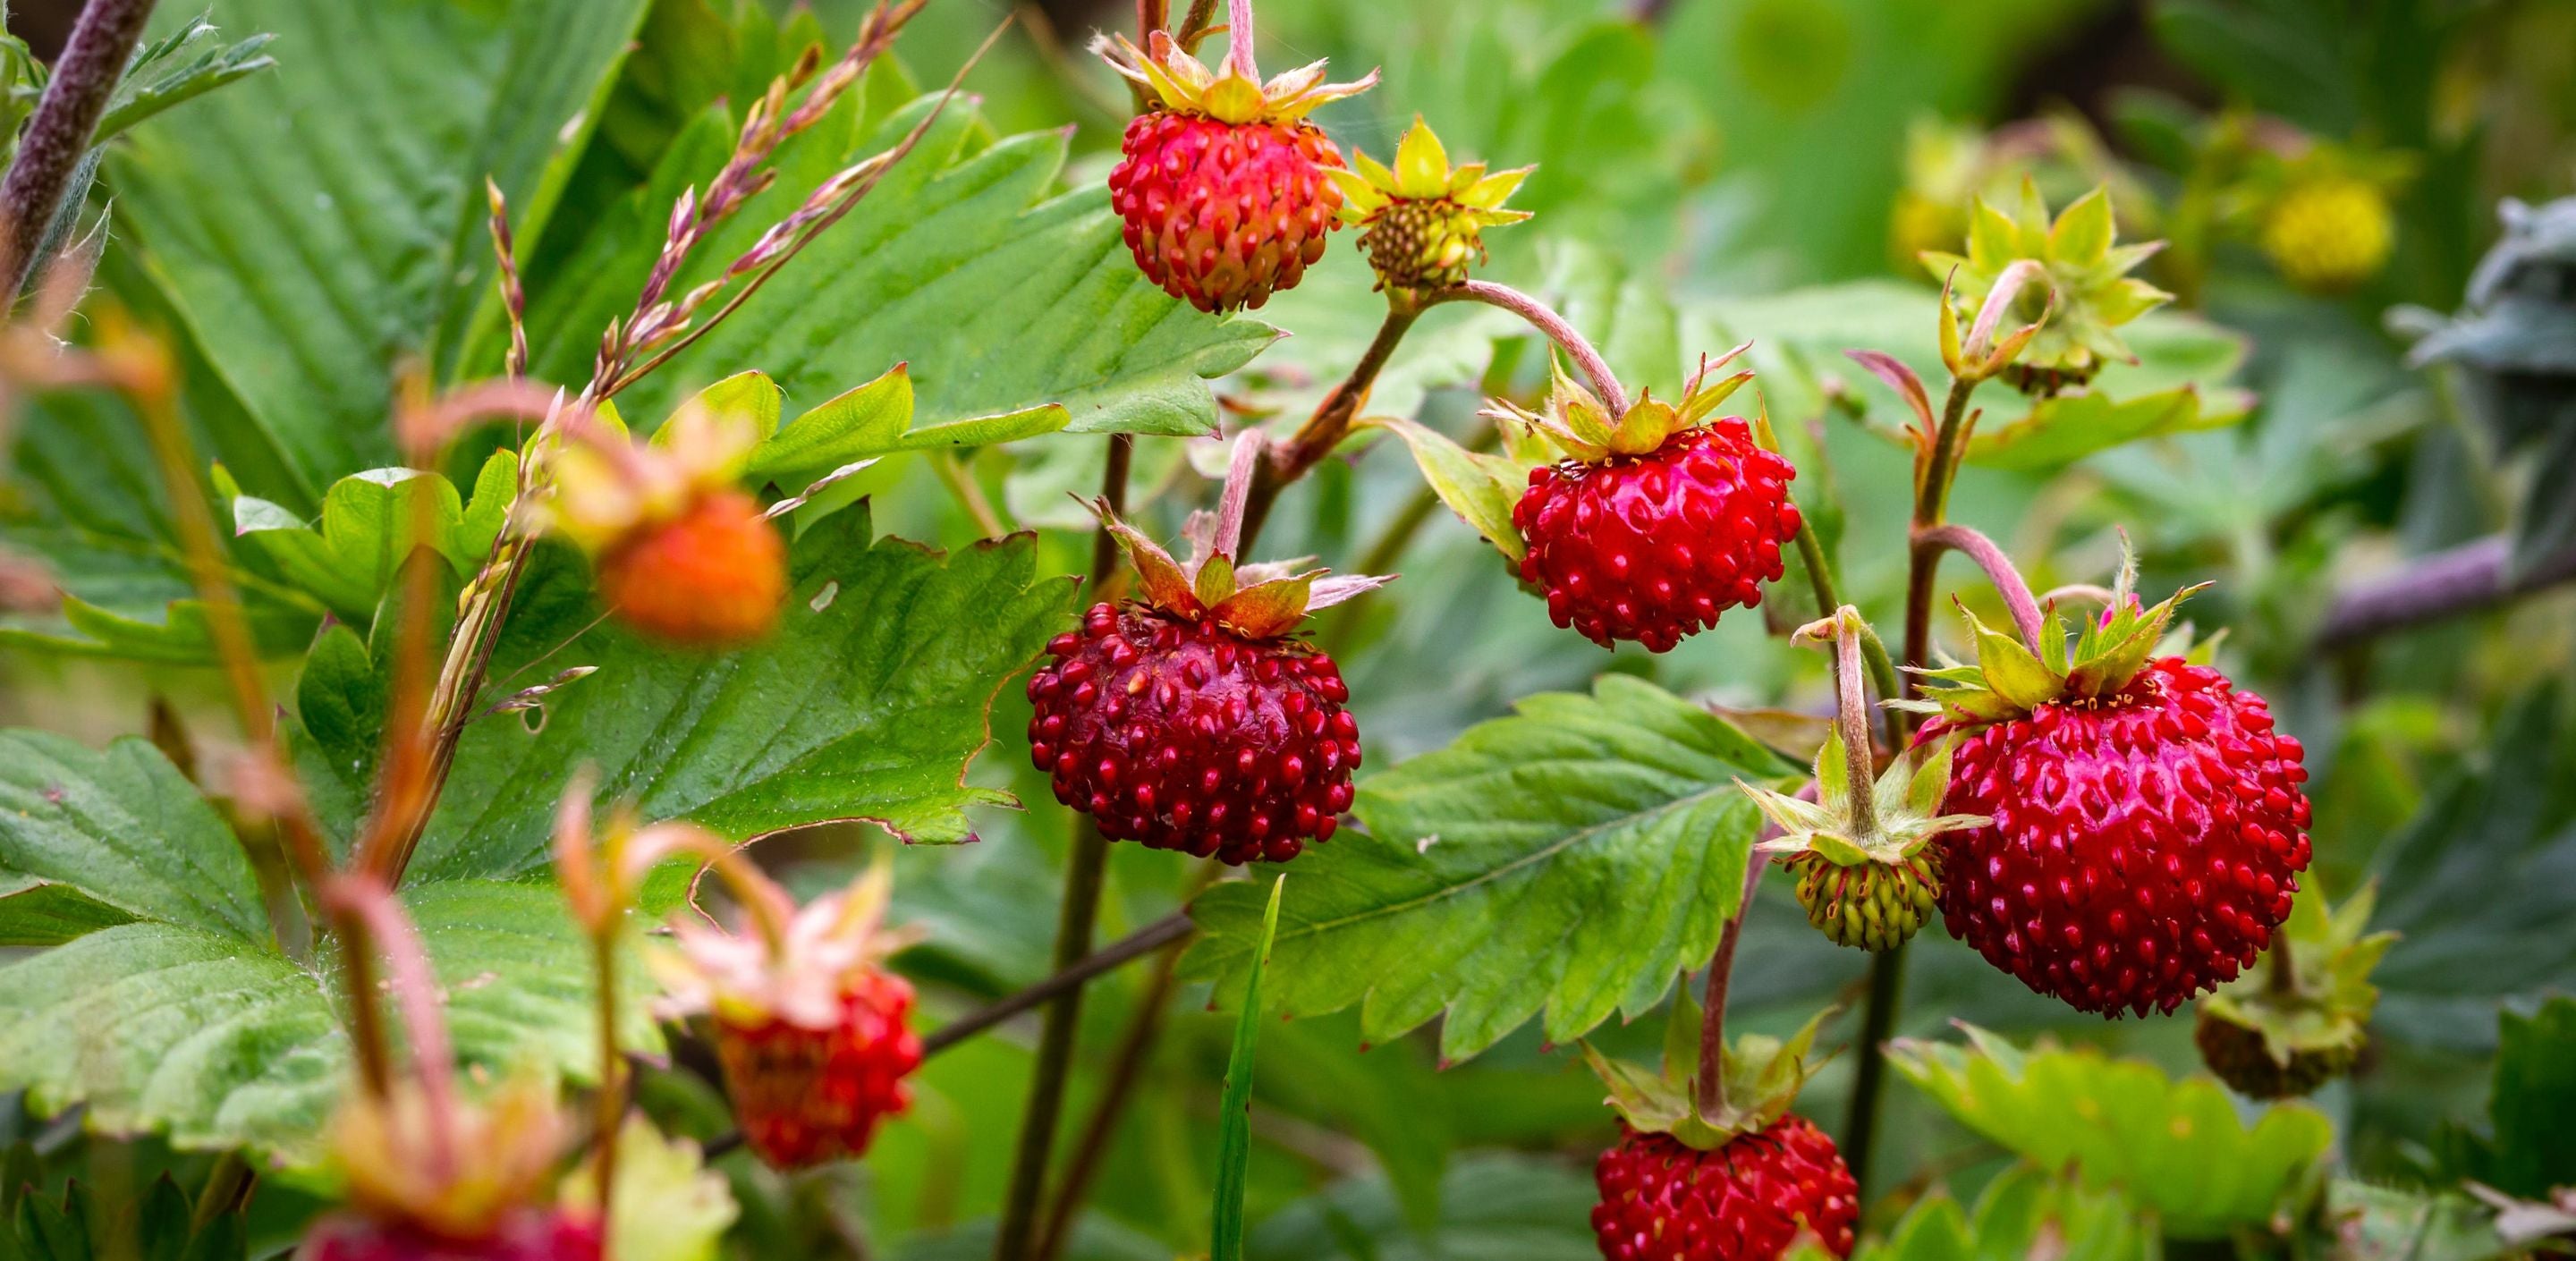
x,y
124,831
2175,1147
967,263
2481,884
1234,1141
866,703
2375,1223
1574,858
667,1206
1480,487
2024,1211
354,554
2530,1151
308,282
1493,1207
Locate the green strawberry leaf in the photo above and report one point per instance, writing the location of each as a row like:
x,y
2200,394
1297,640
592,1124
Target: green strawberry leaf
x,y
353,555
1573,858
2175,1147
968,263
866,703
2025,1211
2529,1149
308,283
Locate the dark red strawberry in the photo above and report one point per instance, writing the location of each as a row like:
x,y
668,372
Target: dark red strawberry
x,y
1221,184
1192,719
1662,1200
524,1235
1658,522
2148,825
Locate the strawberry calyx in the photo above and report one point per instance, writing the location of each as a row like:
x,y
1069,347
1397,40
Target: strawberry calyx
x,y
2089,294
796,971
1761,1078
1426,218
2314,997
2009,680
1258,601
1903,812
1575,422
608,488
1182,83
449,1169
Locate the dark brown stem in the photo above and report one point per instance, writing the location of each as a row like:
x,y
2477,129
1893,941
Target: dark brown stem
x,y
1167,931
2283,979
58,136
1709,1093
1999,569
2445,584
1084,876
1127,1065
1931,503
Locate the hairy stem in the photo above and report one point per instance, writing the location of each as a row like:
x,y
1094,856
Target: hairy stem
x,y
1931,504
1074,923
1873,653
1851,708
58,136
1709,1087
1331,422
1999,569
1546,320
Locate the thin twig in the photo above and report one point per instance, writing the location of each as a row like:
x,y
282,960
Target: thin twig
x,y
1546,320
2445,584
58,135
1709,1093
1163,932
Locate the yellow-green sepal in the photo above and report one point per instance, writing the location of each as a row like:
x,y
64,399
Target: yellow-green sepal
x,y
1760,1077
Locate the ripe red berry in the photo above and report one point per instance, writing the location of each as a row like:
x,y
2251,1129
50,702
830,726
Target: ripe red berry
x,y
713,576
524,1235
1220,214
1187,735
1748,1200
808,1095
1654,547
2145,844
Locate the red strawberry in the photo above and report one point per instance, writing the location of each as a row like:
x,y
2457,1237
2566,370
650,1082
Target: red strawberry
x,y
525,1235
1662,1200
806,1096
810,1026
2148,825
1192,719
1186,735
713,576
1222,183
1660,520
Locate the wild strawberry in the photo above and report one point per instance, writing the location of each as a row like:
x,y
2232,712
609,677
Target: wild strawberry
x,y
682,553
1740,1181
2148,825
1222,185
809,1026
2089,293
432,1178
1660,520
714,575
1425,220
1662,1200
2301,1018
527,1235
1191,719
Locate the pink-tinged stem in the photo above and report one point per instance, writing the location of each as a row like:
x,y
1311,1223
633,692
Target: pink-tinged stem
x,y
1238,38
1999,569
415,989
1240,472
1710,1086
1852,714
1546,320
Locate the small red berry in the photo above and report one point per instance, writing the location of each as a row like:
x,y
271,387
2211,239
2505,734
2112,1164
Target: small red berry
x,y
524,1235
714,576
1749,1200
1220,214
2146,841
1188,735
806,1096
1654,547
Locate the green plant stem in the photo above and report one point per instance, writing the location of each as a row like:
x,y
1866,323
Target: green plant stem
x,y
610,1105
1873,652
1080,913
1940,467
58,135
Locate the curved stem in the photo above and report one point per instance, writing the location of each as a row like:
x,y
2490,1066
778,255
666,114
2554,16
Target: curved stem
x,y
1851,708
58,136
1999,569
1873,653
1546,320
1075,919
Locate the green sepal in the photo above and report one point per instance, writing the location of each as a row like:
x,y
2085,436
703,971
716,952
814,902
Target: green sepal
x,y
1760,1077
2010,670
2328,1005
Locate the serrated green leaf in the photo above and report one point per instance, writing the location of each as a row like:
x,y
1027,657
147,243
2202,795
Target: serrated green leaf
x,y
187,63
308,283
124,829
36,912
1571,859
2531,1150
354,554
866,703
2061,430
2174,1147
967,262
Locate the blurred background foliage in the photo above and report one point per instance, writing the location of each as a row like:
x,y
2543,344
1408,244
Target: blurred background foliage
x,y
1711,171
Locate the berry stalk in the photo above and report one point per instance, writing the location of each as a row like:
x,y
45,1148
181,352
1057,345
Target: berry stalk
x,y
1999,569
1075,920
58,136
1708,1088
